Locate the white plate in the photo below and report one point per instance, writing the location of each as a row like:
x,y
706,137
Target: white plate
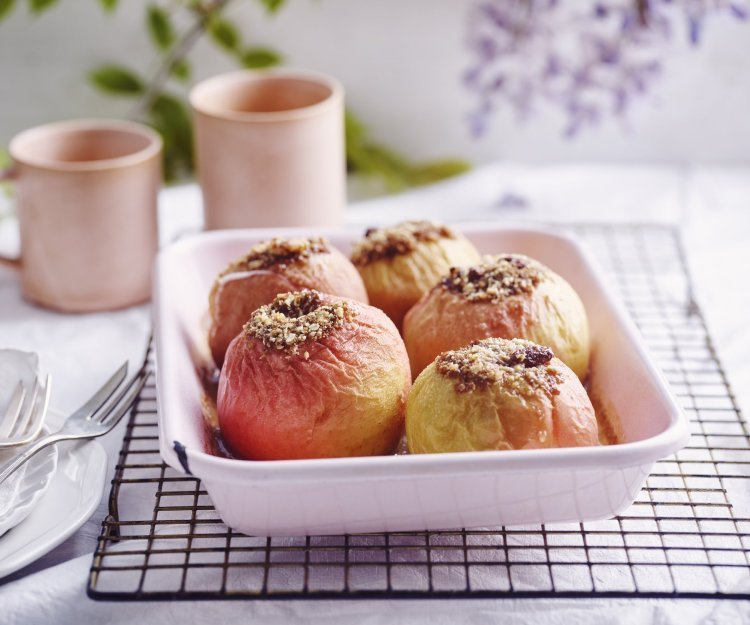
x,y
419,492
73,495
23,489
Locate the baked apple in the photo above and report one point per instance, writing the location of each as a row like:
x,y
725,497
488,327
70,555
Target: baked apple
x,y
399,264
506,296
269,268
498,394
313,375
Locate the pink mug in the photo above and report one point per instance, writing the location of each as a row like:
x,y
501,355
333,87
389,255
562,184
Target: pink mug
x,y
86,195
270,149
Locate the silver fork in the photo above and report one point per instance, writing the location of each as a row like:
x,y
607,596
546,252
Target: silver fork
x,y
25,414
96,417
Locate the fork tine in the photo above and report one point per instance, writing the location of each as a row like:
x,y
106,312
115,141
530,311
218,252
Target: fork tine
x,y
102,395
37,411
14,409
27,413
117,407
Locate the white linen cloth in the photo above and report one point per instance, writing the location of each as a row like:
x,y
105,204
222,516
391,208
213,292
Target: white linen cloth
x,y
79,351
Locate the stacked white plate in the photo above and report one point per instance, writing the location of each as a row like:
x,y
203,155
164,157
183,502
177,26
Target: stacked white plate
x,y
53,494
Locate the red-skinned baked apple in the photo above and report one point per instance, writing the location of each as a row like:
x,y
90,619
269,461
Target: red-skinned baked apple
x,y
400,263
269,268
313,375
506,296
498,394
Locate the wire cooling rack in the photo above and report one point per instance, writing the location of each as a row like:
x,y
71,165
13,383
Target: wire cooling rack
x,y
687,534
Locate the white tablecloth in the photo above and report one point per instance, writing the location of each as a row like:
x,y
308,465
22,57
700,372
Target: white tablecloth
x,y
713,206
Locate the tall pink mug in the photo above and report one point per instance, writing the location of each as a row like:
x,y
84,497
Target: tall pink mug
x,y
270,149
86,196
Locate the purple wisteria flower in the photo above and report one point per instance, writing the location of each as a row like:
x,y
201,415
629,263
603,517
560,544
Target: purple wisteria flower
x,y
589,58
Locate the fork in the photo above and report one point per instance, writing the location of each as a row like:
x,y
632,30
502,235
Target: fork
x,y
24,416
96,417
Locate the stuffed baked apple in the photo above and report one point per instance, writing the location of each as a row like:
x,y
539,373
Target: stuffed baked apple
x,y
498,394
269,268
313,375
400,263
506,296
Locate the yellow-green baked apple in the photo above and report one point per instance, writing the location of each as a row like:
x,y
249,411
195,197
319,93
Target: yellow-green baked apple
x,y
498,394
400,263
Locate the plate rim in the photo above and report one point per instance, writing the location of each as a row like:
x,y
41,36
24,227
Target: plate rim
x,y
19,513
54,533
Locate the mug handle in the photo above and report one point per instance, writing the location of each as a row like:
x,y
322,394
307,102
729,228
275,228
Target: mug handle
x,y
9,261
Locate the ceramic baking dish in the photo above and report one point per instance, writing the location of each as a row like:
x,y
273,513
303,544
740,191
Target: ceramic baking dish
x,y
420,492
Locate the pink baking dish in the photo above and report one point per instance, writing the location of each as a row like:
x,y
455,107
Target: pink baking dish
x,y
420,492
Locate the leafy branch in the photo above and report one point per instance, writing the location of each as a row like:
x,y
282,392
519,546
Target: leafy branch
x,y
370,159
174,60
156,102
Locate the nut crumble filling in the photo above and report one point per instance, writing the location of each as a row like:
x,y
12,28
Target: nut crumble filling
x,y
397,240
496,278
516,364
278,252
295,318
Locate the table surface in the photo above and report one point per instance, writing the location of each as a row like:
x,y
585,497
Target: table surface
x,y
712,205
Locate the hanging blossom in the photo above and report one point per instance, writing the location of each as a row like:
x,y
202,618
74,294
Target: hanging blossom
x,y
588,58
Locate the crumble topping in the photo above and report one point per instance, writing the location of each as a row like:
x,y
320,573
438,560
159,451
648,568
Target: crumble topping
x,y
397,240
278,252
496,278
294,318
515,364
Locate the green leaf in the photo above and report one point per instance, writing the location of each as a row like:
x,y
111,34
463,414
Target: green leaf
x,y
108,5
182,70
257,58
437,170
224,33
6,188
39,6
378,162
171,118
272,6
6,6
160,27
173,113
116,79
354,129
369,159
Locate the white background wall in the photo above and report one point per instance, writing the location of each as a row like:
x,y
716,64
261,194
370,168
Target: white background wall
x,y
401,63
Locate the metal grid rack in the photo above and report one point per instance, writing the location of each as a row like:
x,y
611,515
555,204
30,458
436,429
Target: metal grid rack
x,y
687,535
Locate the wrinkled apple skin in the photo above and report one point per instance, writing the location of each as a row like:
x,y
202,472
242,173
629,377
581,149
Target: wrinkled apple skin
x,y
551,315
439,419
235,296
395,284
347,399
